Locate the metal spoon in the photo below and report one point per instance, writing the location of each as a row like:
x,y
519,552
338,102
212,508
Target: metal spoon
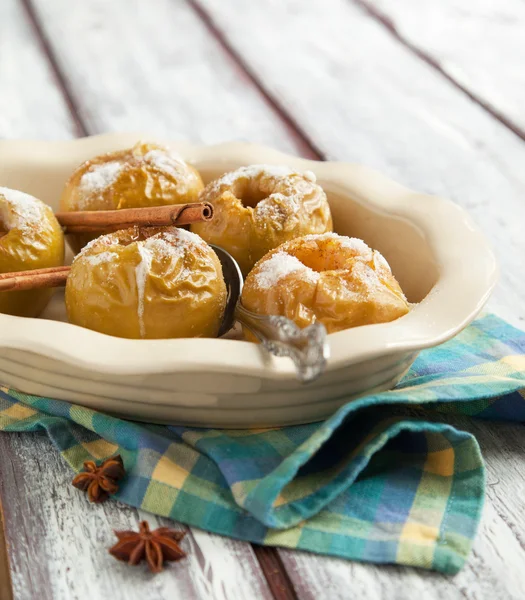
x,y
308,347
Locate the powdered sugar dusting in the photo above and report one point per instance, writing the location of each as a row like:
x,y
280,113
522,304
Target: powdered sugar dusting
x,y
142,271
166,245
165,162
268,212
354,244
368,276
280,265
162,248
21,211
101,257
100,177
380,261
87,248
253,171
277,206
349,243
182,235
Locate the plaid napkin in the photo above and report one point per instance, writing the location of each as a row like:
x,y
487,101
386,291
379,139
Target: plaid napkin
x,y
383,480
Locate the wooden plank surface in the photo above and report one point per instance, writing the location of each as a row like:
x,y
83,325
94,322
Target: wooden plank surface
x,y
479,45
59,542
131,68
372,101
210,569
5,575
356,94
31,105
360,95
275,572
413,125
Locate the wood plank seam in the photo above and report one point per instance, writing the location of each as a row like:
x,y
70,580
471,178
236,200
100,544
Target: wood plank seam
x,y
270,563
275,572
6,589
47,51
376,14
268,558
311,149
324,571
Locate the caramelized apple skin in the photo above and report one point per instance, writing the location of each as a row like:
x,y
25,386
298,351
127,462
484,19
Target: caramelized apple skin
x,y
147,283
34,240
258,208
333,279
145,175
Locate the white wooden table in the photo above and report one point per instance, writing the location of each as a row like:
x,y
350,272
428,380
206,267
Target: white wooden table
x,y
431,93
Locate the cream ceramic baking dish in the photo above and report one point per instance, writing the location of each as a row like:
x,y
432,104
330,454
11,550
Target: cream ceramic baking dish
x,y
443,263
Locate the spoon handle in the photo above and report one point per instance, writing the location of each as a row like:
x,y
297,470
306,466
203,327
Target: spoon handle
x,y
308,347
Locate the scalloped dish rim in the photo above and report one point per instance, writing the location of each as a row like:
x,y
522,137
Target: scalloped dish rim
x,y
448,229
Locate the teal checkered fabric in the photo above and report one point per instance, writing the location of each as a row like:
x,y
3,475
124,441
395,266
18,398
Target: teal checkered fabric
x,y
385,479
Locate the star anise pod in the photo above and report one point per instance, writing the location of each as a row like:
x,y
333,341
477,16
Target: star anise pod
x,y
100,481
156,547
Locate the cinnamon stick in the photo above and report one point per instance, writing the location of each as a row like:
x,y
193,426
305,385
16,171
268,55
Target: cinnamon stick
x,y
98,222
154,216
37,278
